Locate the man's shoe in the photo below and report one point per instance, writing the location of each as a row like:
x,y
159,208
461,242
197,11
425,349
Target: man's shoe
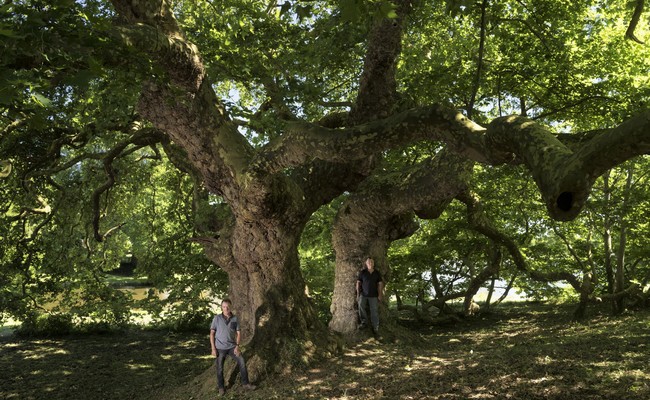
x,y
362,326
248,386
222,391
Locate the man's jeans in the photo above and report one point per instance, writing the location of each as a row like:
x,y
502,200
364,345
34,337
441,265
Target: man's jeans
x,y
374,311
221,358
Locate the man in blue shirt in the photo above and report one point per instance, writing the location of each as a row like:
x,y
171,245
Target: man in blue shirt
x,y
225,336
370,291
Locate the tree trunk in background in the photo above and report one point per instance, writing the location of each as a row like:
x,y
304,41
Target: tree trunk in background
x,y
488,300
381,211
477,280
353,241
607,235
586,289
619,303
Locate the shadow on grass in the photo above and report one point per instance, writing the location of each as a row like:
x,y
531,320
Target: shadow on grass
x,y
111,366
514,353
534,354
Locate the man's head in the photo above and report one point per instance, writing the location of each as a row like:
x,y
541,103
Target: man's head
x,y
370,264
226,306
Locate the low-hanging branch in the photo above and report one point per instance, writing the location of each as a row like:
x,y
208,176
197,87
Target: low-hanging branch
x,y
144,138
636,16
481,224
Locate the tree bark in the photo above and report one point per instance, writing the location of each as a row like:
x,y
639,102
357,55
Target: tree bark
x,y
268,293
379,212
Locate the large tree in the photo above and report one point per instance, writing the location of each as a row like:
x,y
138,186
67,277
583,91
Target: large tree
x,y
291,156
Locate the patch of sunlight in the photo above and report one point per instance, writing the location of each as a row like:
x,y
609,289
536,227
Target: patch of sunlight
x,y
358,369
263,320
46,352
431,359
605,364
141,318
166,357
36,372
542,379
139,366
629,373
546,360
630,355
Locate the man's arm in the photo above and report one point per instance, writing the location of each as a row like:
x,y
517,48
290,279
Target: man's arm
x,y
214,349
237,341
358,288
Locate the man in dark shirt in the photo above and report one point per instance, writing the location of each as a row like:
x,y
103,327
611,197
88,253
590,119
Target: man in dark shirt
x,y
370,291
225,336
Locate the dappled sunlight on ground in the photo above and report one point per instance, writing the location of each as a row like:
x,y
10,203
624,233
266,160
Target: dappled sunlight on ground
x,y
525,354
531,355
111,366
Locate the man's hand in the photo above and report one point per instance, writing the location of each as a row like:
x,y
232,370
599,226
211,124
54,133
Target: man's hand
x,y
214,352
237,351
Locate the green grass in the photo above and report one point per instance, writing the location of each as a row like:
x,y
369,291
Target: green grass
x,y
126,281
519,351
110,366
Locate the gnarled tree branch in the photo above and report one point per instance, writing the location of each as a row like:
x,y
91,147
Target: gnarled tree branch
x,y
481,224
636,16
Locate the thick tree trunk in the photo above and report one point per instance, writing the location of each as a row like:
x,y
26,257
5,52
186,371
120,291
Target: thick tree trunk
x,y
353,242
279,325
380,212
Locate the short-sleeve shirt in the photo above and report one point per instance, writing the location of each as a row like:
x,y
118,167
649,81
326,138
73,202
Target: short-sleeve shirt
x,y
226,329
369,282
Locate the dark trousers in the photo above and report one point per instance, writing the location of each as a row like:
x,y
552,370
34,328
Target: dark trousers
x,y
221,358
373,302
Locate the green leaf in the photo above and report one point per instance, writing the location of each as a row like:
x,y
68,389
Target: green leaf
x,y
387,10
41,100
11,34
350,10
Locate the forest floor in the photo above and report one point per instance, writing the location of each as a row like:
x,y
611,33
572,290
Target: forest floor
x,y
517,351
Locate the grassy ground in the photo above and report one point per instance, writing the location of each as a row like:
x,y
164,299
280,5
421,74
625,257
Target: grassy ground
x,y
519,352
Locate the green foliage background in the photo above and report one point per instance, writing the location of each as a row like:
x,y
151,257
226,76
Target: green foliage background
x,y
68,95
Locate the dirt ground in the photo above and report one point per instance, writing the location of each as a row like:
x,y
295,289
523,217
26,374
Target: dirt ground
x,y
515,352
